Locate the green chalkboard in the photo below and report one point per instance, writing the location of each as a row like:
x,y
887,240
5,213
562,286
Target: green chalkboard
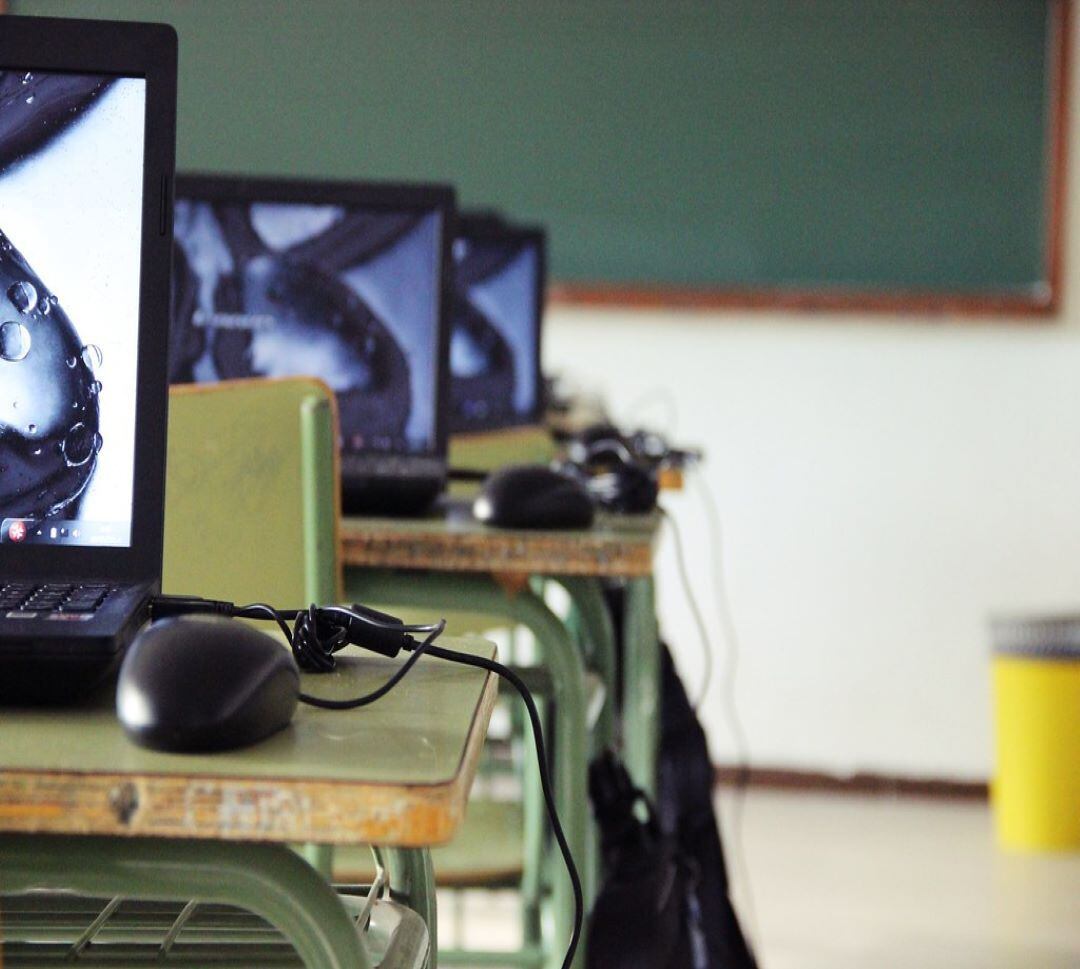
x,y
876,145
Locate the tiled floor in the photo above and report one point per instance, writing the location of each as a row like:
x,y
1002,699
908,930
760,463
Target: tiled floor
x,y
849,882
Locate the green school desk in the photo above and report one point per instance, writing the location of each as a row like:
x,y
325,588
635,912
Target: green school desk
x,y
84,810
452,558
450,561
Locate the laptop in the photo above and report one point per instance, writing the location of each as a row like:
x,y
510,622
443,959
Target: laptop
x,y
87,138
498,305
344,281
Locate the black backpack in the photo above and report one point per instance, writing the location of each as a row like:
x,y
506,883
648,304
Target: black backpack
x,y
663,901
685,794
643,916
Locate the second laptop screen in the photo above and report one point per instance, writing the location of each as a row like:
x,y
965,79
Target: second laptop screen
x,y
344,293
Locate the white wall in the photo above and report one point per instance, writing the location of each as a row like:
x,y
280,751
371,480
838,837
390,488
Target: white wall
x,y
885,486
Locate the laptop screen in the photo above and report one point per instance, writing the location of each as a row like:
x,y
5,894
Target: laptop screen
x,y
71,210
495,335
336,288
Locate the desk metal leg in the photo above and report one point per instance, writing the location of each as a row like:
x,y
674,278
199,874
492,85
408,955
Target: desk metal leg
x,y
587,597
564,662
320,857
411,876
412,882
641,674
570,731
268,880
598,632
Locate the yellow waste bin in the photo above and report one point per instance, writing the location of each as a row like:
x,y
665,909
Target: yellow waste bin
x,y
1036,788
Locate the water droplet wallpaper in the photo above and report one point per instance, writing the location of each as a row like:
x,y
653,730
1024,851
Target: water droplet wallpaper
x,y
71,166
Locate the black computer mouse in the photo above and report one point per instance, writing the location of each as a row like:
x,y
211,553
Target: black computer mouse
x,y
533,496
194,685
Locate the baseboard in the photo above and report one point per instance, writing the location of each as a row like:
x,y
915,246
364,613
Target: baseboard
x,y
884,785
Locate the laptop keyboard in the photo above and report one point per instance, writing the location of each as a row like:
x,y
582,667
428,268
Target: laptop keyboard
x,y
392,466
32,597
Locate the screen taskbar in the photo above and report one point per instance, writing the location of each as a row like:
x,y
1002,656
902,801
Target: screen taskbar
x,y
27,531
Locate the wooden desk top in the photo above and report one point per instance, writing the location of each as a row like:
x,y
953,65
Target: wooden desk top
x,y
397,772
617,546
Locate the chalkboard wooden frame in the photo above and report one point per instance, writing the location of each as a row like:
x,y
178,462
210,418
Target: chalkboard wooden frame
x,y
1042,304
899,301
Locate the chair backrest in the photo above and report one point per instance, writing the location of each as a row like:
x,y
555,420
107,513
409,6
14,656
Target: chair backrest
x,y
252,492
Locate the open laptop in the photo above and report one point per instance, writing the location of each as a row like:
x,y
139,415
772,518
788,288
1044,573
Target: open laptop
x,y
87,138
498,305
344,281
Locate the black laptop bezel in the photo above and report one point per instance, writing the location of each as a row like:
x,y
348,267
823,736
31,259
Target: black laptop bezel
x,y
363,194
483,226
146,51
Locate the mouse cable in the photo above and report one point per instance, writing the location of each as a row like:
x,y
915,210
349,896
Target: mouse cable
x,y
602,447
722,603
750,931
695,610
306,642
319,632
661,394
507,674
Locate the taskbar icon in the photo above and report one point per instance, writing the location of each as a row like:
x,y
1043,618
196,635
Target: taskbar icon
x,y
29,531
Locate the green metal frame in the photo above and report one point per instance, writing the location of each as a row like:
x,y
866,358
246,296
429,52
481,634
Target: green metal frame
x,y
266,879
632,722
597,638
412,882
641,683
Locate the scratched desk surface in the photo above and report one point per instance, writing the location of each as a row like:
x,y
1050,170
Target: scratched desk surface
x,y
452,540
396,772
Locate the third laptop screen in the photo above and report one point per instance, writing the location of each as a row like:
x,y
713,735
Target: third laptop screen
x,y
494,340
